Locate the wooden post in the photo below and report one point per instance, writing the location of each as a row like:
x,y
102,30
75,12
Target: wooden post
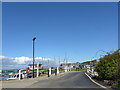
x,y
19,74
65,68
92,70
37,69
57,70
49,71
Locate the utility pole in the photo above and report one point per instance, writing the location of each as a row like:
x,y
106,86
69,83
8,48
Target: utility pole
x,y
66,67
66,58
48,63
59,61
54,59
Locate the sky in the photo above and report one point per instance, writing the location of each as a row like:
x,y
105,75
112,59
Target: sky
x,y
75,29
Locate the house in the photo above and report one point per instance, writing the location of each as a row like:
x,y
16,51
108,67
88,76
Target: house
x,y
64,65
70,65
91,63
39,66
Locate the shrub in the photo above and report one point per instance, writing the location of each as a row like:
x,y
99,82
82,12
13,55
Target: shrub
x,y
108,67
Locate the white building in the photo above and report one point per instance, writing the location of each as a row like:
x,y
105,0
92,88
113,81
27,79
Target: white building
x,y
36,66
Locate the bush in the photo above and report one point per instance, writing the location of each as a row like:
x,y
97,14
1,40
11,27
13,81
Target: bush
x,y
108,66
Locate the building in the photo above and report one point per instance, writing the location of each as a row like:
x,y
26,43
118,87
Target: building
x,y
70,65
91,63
39,66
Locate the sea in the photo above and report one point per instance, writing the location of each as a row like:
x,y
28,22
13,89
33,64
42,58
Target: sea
x,y
5,73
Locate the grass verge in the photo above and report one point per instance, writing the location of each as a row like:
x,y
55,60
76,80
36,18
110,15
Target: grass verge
x,y
116,86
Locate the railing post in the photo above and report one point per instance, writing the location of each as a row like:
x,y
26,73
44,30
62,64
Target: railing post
x,y
88,68
37,69
92,70
49,72
19,74
65,68
57,70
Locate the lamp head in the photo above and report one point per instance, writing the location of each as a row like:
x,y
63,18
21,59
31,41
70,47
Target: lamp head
x,y
34,38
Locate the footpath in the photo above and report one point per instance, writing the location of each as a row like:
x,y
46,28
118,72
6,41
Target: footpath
x,y
27,82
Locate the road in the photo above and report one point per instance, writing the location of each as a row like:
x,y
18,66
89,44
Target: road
x,y
64,80
69,80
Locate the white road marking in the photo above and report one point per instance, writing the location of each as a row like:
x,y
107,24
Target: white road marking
x,y
96,82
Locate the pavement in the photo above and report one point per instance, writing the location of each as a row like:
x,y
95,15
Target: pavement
x,y
64,80
27,82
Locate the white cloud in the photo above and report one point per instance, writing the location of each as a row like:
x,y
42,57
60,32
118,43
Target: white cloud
x,y
2,57
39,58
22,62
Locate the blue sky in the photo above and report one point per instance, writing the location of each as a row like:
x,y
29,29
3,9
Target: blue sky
x,y
78,29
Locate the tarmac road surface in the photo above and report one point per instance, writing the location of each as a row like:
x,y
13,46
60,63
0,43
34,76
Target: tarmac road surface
x,y
66,80
70,80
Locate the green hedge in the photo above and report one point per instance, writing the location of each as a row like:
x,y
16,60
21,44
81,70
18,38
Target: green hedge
x,y
108,68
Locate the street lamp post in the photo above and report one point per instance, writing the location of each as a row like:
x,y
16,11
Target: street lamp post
x,y
33,55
